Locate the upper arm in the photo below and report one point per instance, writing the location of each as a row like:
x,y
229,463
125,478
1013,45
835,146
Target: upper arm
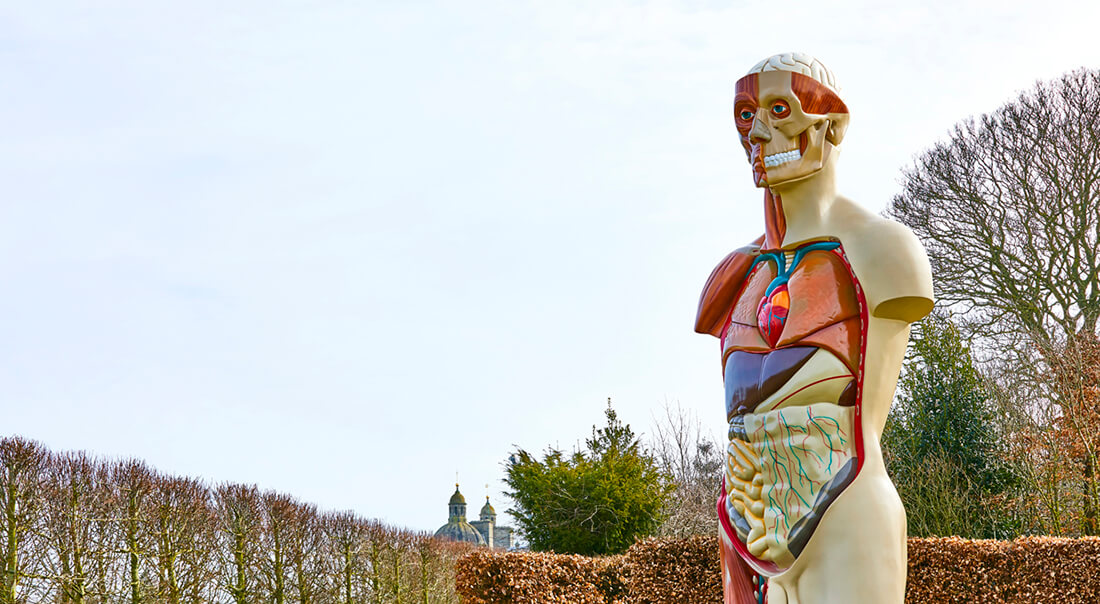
x,y
894,271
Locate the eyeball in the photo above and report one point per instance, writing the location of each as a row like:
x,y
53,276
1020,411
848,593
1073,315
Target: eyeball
x,y
781,110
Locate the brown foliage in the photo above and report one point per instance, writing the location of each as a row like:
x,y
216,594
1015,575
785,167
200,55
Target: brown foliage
x,y
1075,378
681,570
1055,440
484,577
1027,570
652,571
1031,570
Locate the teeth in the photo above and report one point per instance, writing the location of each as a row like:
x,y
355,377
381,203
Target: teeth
x,y
781,158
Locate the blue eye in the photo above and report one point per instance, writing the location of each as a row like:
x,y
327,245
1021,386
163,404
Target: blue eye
x,y
746,115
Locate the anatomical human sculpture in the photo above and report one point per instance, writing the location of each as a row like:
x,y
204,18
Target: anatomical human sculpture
x,y
813,320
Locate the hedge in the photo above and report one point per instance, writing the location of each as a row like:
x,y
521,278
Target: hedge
x,y
941,571
486,577
1030,569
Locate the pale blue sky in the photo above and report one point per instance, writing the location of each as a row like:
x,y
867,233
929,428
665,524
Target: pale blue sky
x,y
344,249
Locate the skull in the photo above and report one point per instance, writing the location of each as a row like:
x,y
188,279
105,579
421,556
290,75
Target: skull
x,y
785,140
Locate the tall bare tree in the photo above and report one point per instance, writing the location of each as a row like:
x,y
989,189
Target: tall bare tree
x,y
105,560
280,513
181,539
1009,211
433,576
132,482
305,556
375,535
23,465
694,460
77,526
345,538
398,574
238,526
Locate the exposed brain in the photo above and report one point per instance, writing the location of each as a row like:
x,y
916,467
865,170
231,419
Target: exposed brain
x,y
798,62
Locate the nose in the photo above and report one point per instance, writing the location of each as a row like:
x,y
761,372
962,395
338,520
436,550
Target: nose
x,y
760,131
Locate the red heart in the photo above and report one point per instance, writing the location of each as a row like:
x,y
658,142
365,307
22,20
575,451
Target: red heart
x,y
771,314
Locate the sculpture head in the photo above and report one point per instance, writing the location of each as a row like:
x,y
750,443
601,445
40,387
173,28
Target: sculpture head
x,y
790,118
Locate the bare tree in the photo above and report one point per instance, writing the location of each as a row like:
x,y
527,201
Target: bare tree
x,y
398,575
23,465
433,577
237,509
305,556
105,559
345,538
694,460
279,515
132,481
77,522
422,545
181,539
1009,211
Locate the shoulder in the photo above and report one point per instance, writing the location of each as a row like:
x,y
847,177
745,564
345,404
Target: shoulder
x,y
891,265
722,286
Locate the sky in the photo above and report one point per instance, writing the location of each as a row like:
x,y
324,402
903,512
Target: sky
x,y
344,250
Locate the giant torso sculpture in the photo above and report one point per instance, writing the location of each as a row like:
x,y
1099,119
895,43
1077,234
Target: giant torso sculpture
x,y
812,319
791,355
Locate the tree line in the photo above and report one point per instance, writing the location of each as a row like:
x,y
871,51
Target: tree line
x,y
75,529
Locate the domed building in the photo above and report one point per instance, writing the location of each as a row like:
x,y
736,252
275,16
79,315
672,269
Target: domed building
x,y
479,532
457,529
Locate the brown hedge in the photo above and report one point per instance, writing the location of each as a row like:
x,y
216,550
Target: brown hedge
x,y
941,571
485,577
1030,569
674,570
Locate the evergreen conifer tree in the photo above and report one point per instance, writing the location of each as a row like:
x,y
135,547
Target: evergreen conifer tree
x,y
595,501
